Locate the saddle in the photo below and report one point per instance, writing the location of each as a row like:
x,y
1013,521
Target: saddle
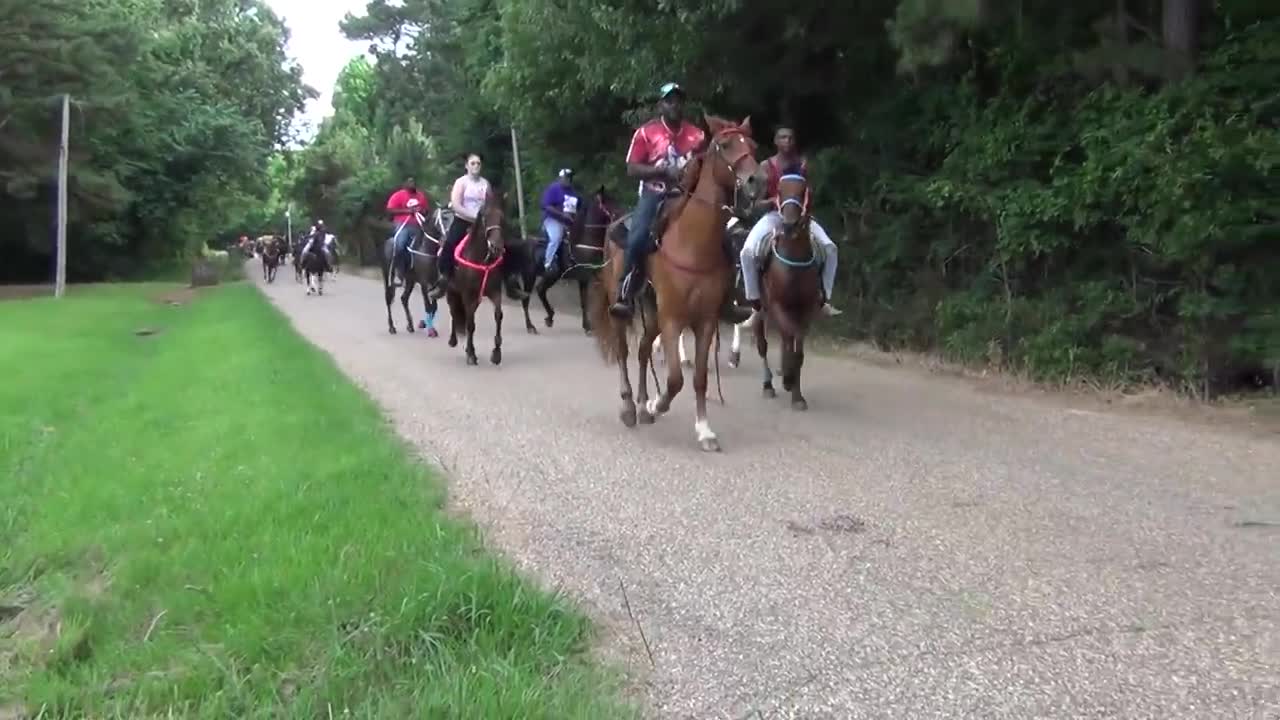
x,y
669,206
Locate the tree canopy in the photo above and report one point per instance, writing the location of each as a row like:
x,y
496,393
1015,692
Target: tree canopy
x,y
177,109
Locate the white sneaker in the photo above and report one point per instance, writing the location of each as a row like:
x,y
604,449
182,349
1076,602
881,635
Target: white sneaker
x,y
830,310
751,321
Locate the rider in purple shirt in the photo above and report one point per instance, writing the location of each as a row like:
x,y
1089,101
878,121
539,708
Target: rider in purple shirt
x,y
559,208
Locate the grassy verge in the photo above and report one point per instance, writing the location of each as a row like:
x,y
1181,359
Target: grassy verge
x,y
209,521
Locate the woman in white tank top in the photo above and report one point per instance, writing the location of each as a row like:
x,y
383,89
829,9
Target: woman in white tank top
x,y
466,198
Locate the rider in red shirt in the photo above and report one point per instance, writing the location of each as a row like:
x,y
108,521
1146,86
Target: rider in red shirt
x,y
658,153
403,206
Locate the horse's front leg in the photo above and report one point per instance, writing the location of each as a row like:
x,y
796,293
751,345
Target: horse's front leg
x,y
792,376
496,356
541,286
404,302
529,327
702,338
762,346
456,318
684,356
471,335
671,333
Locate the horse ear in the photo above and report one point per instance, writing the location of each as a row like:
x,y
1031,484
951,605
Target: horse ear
x,y
714,124
746,125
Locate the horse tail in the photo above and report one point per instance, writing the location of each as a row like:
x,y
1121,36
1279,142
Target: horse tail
x,y
602,323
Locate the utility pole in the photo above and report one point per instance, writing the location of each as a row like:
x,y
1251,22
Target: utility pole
x,y
60,273
515,154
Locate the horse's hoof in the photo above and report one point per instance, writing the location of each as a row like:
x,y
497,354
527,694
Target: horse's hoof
x,y
709,445
391,329
735,357
646,417
453,341
628,416
473,360
800,405
409,327
769,392
551,320
786,385
495,357
586,331
531,330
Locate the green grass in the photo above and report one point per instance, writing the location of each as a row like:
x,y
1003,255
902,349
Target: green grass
x,y
212,522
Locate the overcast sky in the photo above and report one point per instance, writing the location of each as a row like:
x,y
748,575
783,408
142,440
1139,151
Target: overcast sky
x,y
317,43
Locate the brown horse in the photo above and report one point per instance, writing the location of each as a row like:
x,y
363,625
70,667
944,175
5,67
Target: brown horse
x,y
689,276
791,291
272,251
479,276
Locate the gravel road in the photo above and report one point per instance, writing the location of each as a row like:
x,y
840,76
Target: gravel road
x,y
912,547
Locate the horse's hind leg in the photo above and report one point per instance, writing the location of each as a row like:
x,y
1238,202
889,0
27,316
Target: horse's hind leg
x,y
582,303
456,319
644,352
404,302
702,337
389,294
762,346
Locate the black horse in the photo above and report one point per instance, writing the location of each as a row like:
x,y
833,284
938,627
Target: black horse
x,y
580,257
420,269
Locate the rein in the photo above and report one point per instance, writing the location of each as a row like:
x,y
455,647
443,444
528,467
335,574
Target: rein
x,y
480,267
804,218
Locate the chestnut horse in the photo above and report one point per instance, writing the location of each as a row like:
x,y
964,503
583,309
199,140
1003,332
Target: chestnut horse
x,y
791,291
478,276
689,276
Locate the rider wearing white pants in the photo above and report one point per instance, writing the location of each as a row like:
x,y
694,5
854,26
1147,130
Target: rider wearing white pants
x,y
767,225
784,139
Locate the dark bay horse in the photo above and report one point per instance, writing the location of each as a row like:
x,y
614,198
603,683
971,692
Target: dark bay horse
x,y
689,275
580,258
272,250
791,291
422,271
478,276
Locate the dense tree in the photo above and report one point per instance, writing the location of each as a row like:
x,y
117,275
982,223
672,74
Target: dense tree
x,y
1064,188
179,105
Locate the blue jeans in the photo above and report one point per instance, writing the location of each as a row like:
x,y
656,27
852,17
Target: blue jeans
x,y
555,231
641,223
406,233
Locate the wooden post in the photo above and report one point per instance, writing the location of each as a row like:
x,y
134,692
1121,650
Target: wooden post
x,y
60,274
515,154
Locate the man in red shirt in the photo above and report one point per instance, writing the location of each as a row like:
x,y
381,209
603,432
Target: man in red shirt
x,y
659,150
403,206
